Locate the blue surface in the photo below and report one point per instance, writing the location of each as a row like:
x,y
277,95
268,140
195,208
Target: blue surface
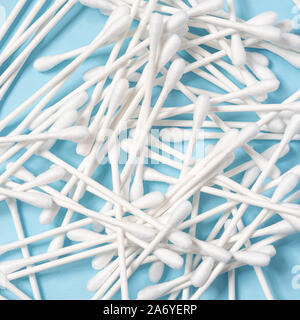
x,y
78,28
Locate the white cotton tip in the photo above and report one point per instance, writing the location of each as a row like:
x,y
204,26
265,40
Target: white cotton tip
x,y
238,53
295,170
293,221
54,174
104,6
286,25
133,77
11,266
174,74
269,152
47,63
268,33
116,28
168,50
290,40
263,87
263,73
21,173
137,188
269,250
98,280
183,30
179,213
119,93
202,273
65,121
264,19
181,239
286,185
140,231
226,141
252,258
257,58
201,109
97,227
248,133
92,73
250,176
170,258
83,148
149,200
154,175
293,127
126,144
155,291
206,7
81,235
290,56
48,215
56,243
176,21
156,271
35,198
286,115
228,160
75,134
213,251
109,231
115,15
101,260
75,102
280,228
156,26
276,125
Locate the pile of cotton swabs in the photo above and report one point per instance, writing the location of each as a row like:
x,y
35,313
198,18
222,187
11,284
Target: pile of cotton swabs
x,y
134,228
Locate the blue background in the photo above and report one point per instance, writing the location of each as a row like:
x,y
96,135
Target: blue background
x,y
78,28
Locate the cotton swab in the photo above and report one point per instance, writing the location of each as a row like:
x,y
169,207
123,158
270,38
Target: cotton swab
x,y
49,62
75,134
20,232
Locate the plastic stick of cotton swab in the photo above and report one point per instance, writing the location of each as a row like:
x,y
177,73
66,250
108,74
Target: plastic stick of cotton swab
x,y
14,46
27,21
20,232
76,134
38,5
48,62
11,18
11,266
237,48
114,159
155,33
